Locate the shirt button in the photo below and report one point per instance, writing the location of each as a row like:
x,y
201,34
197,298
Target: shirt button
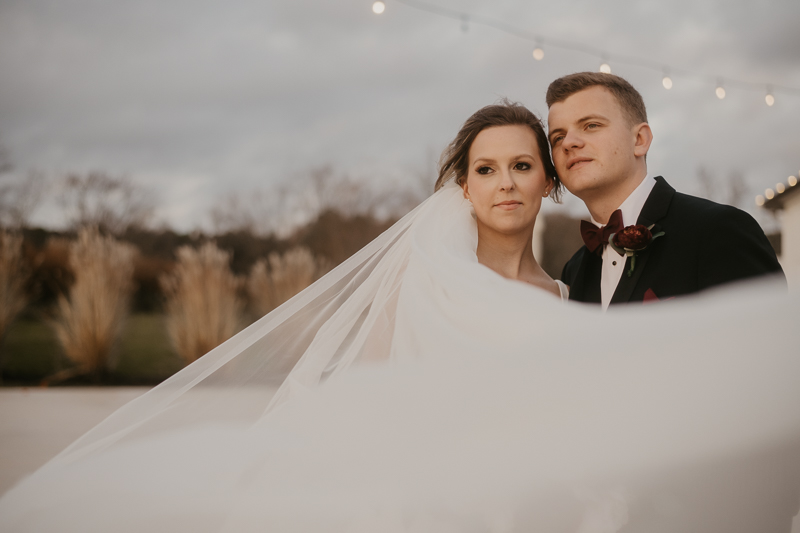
x,y
614,263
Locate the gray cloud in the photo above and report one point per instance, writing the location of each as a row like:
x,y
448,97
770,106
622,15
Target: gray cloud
x,y
201,99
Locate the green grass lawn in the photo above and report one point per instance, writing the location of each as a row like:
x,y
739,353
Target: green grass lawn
x,y
144,354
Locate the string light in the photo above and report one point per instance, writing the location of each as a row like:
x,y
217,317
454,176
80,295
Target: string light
x,y
538,54
760,200
792,181
770,194
666,81
780,188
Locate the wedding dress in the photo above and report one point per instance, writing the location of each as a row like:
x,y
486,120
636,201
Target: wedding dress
x,y
414,390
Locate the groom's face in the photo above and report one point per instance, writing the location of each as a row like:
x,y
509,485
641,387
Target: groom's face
x,y
592,142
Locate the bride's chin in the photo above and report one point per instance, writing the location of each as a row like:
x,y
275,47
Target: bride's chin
x,y
509,225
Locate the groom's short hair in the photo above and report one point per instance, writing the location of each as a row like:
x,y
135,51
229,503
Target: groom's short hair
x,y
629,98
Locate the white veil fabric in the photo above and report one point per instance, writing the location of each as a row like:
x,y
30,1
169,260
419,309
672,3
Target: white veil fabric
x,y
413,389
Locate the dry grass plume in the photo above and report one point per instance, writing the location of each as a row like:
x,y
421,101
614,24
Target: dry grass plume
x,y
13,276
203,305
91,317
274,281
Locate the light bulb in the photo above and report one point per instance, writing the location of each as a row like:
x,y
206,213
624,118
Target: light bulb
x,y
770,100
538,54
792,181
770,194
759,200
720,93
780,188
605,68
378,7
667,82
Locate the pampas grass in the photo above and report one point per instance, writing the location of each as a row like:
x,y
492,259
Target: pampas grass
x,y
274,281
203,306
91,317
13,275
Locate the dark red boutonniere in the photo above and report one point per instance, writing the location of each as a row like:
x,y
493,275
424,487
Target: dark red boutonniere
x,y
631,240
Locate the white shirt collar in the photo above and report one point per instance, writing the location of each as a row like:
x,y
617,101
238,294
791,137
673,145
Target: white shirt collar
x,y
634,203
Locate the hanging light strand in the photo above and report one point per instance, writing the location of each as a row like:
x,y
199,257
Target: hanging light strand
x,y
604,56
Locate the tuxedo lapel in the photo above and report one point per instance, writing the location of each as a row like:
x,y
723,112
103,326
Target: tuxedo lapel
x,y
654,209
586,286
657,204
627,284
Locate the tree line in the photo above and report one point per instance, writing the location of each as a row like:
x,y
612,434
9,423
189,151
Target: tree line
x,y
108,261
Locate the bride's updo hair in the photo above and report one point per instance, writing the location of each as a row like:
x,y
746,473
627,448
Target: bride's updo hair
x,y
454,162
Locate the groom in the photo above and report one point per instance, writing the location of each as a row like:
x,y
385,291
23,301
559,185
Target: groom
x,y
599,136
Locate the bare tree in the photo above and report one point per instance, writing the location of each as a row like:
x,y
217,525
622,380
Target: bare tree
x,y
254,212
732,191
291,204
707,182
737,188
18,198
112,204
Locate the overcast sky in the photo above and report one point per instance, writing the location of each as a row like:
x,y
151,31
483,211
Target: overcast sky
x,y
198,99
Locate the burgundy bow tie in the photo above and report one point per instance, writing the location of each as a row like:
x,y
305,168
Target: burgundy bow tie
x,y
595,237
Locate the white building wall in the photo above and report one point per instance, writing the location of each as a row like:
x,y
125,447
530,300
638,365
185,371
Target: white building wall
x,y
790,241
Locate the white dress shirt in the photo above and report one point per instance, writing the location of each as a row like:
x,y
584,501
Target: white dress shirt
x,y
613,263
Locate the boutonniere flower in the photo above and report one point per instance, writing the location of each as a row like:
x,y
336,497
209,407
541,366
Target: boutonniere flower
x,y
631,240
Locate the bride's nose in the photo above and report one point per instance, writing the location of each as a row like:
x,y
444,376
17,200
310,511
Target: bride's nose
x,y
506,181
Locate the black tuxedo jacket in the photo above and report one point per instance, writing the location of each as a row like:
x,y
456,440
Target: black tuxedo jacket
x,y
704,244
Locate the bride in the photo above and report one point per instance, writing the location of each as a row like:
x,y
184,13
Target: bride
x,y
435,381
501,160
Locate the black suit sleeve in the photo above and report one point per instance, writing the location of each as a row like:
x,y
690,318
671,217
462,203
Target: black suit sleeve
x,y
733,247
570,270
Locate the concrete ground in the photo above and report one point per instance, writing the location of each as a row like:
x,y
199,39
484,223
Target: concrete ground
x,y
36,424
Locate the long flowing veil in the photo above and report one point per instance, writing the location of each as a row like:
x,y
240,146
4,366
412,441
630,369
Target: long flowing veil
x,y
413,389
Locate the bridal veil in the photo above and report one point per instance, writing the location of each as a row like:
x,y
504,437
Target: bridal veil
x,y
413,389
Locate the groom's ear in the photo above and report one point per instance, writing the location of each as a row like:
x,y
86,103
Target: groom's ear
x,y
644,137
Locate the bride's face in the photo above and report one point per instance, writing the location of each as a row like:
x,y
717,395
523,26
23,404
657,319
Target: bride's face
x,y
506,180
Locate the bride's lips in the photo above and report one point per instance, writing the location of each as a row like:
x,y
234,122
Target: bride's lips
x,y
577,162
508,205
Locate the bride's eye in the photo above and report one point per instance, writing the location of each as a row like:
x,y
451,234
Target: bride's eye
x,y
522,166
483,170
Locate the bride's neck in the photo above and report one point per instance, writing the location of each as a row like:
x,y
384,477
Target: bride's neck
x,y
511,256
